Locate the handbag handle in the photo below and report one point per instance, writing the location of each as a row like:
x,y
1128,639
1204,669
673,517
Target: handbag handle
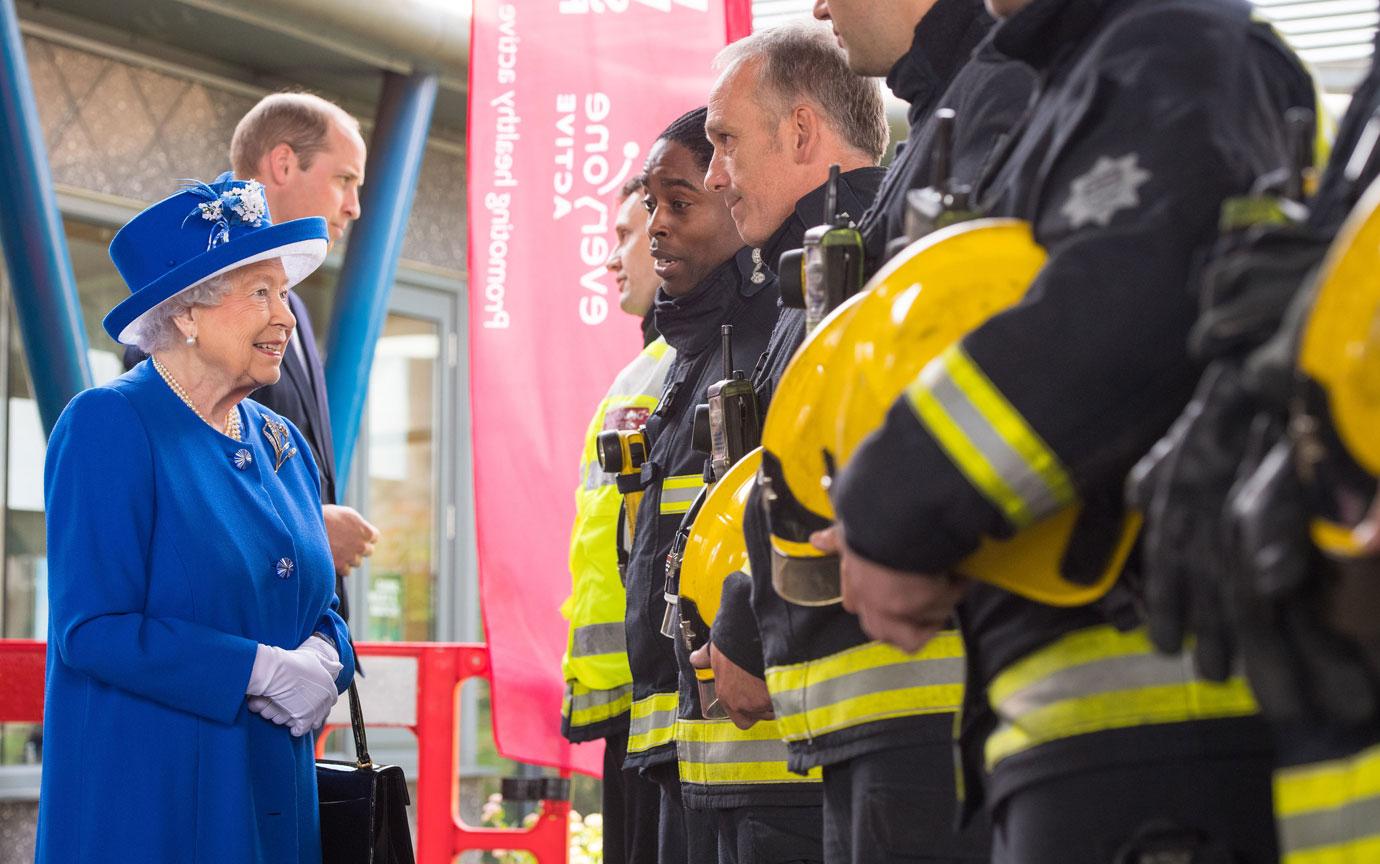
x,y
357,726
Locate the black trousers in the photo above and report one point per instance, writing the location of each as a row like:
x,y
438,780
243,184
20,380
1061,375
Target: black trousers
x,y
771,835
898,805
683,836
1204,811
632,806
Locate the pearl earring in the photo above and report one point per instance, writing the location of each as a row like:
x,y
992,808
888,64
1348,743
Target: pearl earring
x,y
191,340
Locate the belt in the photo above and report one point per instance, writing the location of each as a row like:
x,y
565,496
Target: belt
x,y
652,722
717,753
1100,679
866,684
1329,812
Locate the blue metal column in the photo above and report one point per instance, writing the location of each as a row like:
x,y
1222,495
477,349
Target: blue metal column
x,y
45,291
371,261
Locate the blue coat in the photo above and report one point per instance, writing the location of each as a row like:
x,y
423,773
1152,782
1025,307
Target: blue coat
x,y
167,566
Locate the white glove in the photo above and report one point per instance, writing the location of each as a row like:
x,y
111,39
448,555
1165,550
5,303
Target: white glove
x,y
325,652
299,685
269,710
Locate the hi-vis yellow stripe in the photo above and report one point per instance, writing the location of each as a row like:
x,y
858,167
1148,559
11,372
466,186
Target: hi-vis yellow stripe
x,y
865,684
1099,679
717,753
1329,813
652,722
678,493
585,707
988,439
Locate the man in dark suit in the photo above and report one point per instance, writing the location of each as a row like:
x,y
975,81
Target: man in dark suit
x,y
309,155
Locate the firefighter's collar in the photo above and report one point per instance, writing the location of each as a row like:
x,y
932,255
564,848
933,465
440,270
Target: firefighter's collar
x,y
944,40
856,190
1040,32
691,322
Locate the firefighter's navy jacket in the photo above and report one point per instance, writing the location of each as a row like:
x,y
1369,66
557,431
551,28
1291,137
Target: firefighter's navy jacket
x,y
720,765
949,65
674,474
1320,786
1148,114
989,93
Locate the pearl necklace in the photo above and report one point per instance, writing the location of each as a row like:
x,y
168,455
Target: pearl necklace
x,y
232,419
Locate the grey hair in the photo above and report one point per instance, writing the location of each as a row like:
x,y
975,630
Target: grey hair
x,y
801,61
156,330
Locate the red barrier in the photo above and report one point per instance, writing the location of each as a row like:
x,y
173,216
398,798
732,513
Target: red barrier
x,y
441,669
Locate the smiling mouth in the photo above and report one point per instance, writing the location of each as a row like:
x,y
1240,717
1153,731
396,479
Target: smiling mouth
x,y
272,349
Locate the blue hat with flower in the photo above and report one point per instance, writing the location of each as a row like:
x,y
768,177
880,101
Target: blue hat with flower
x,y
199,233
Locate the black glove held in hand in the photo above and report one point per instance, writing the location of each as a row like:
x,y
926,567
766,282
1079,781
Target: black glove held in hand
x,y
1182,486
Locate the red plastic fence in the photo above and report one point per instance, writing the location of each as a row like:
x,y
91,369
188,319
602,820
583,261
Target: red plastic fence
x,y
441,669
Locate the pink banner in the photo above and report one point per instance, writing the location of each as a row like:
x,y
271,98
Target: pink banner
x,y
565,97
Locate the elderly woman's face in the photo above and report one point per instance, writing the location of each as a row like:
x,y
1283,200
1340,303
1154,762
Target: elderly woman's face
x,y
246,334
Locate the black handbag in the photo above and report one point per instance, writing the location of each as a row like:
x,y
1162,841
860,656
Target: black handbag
x,y
363,805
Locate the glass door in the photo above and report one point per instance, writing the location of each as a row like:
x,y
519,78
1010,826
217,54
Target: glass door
x,y
403,475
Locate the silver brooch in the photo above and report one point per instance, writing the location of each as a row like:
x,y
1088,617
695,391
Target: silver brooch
x,y
277,435
284,568
757,277
243,458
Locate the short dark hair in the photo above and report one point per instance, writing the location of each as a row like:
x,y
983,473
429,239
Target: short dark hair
x,y
687,130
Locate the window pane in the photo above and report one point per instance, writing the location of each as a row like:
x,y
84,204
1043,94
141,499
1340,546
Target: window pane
x,y
402,482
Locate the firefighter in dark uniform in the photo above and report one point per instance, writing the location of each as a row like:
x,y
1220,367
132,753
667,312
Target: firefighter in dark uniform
x,y
704,286
1088,745
1256,458
888,771
791,108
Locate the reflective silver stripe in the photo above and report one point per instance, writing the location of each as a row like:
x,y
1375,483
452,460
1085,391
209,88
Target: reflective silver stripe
x,y
652,721
717,753
722,752
870,682
865,684
1097,680
592,707
1357,820
594,639
1038,497
678,493
1099,676
597,698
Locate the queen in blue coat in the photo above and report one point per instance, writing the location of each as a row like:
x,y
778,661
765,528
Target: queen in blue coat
x,y
193,641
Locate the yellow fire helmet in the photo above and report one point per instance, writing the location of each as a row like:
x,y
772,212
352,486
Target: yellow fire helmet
x,y
714,550
716,547
805,404
938,289
1340,348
